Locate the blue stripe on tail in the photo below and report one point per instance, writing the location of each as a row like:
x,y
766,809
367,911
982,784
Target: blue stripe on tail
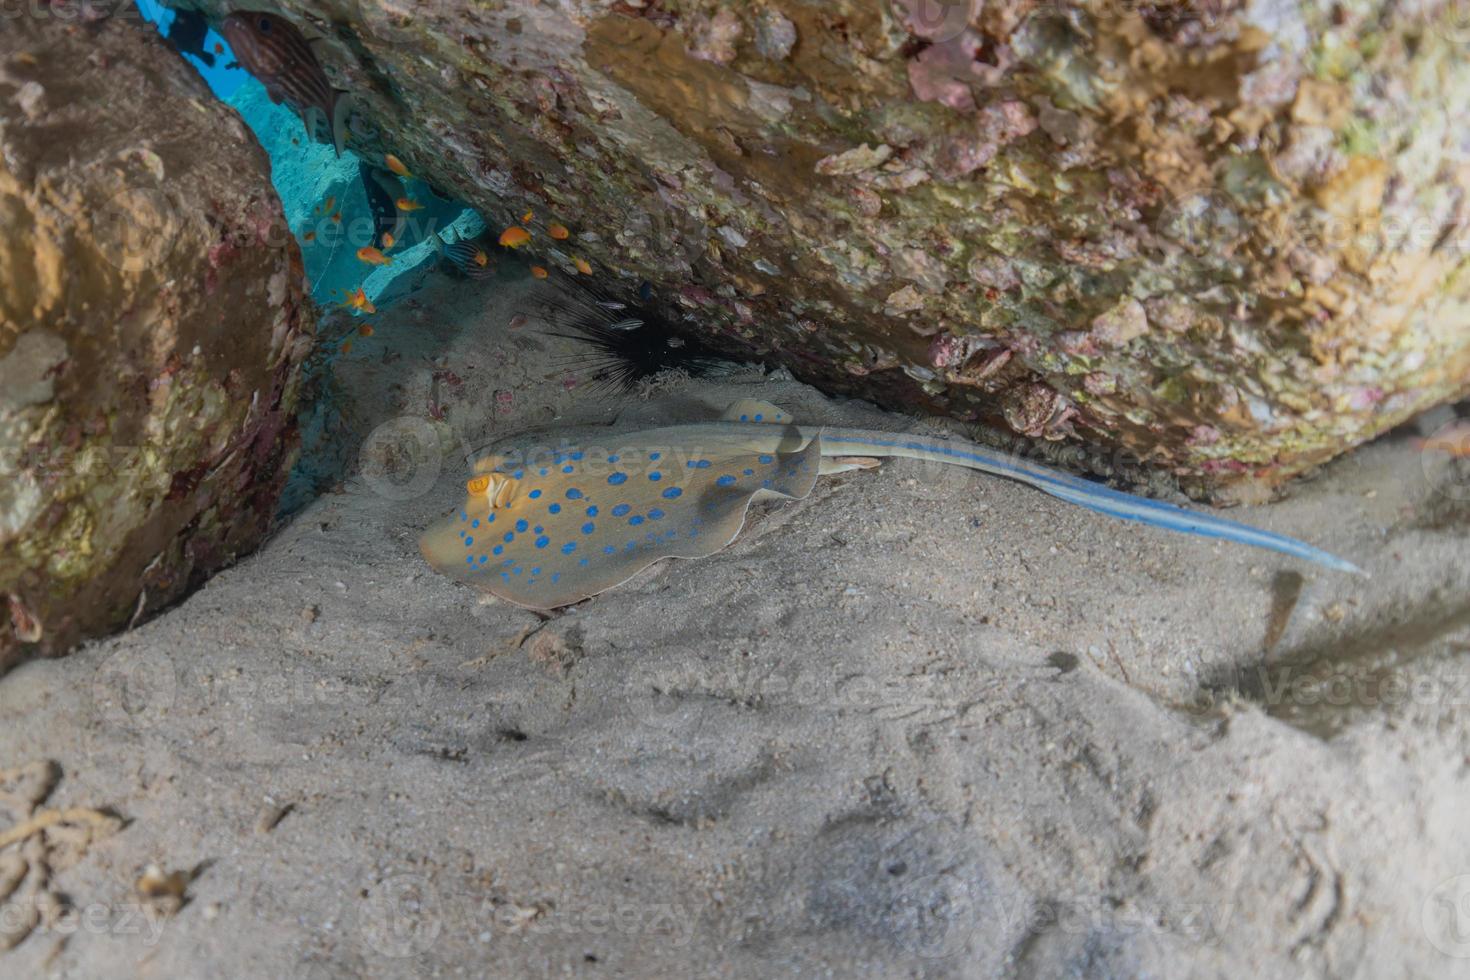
x,y
1104,500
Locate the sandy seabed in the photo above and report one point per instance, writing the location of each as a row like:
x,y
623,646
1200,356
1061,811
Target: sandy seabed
x,y
921,723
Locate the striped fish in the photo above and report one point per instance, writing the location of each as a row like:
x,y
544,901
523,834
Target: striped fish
x,y
276,53
469,257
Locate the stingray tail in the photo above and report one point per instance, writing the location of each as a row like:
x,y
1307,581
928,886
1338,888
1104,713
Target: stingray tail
x,y
1074,490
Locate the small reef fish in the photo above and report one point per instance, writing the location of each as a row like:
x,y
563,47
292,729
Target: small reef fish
x,y
468,258
396,165
539,271
559,232
583,266
310,236
372,256
526,218
279,56
359,301
406,204
187,34
544,532
388,240
326,205
514,237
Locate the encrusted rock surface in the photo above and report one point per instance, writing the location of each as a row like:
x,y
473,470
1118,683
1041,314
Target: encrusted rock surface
x,y
1224,238
151,326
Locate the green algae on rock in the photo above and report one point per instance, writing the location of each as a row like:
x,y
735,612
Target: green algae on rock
x,y
151,326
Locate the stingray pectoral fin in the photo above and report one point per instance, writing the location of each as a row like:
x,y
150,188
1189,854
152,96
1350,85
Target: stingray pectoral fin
x,y
755,410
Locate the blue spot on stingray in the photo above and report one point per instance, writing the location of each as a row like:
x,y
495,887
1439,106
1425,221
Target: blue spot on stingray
x,y
575,456
620,510
482,559
475,522
609,550
461,534
463,516
536,570
592,511
490,519
505,575
499,549
757,418
765,483
468,542
612,459
534,494
517,474
543,471
725,481
509,537
470,560
672,492
617,478
588,528
766,459
635,520
569,547
655,515
750,472
567,469
582,562
655,476
543,541
517,571
745,418
555,577
575,494
508,562
522,526
631,545
555,508
538,529
670,534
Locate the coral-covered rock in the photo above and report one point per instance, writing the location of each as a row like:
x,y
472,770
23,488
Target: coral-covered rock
x,y
1244,217
151,326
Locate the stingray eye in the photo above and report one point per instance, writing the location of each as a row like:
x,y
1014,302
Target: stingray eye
x,y
478,485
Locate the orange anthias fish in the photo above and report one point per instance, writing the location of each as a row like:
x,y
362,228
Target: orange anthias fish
x,y
406,204
539,272
514,237
372,256
583,266
526,218
559,232
359,301
396,165
388,240
275,52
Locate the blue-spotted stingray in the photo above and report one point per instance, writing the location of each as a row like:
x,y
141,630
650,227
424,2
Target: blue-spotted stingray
x,y
550,530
